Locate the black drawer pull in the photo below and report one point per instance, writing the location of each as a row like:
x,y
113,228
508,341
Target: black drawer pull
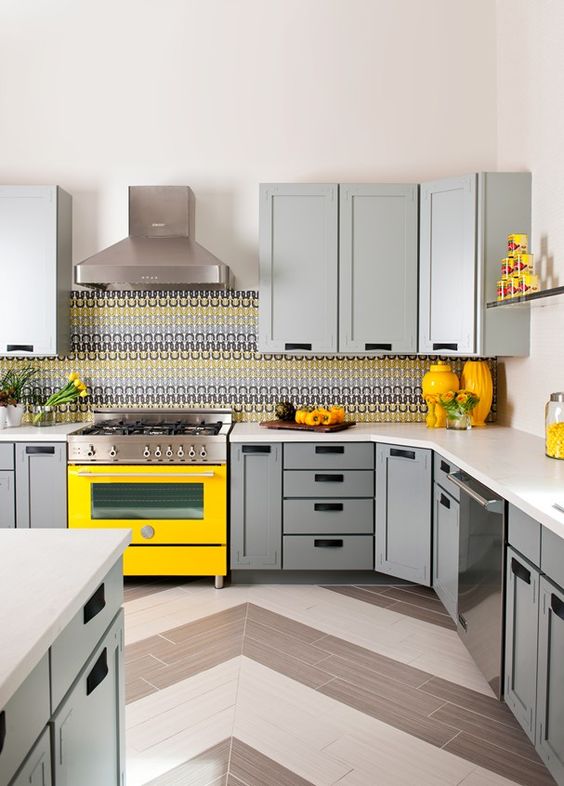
x,y
557,606
453,347
297,346
445,501
328,544
2,729
256,448
445,467
99,672
373,347
329,478
19,348
47,450
409,454
329,448
327,507
95,605
520,571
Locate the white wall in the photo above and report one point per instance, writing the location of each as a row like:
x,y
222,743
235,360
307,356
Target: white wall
x,y
223,94
531,136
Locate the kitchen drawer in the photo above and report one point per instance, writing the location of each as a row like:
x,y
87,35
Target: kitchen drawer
x,y
73,646
23,719
329,455
328,552
328,483
552,556
524,534
7,456
443,468
175,561
334,517
36,770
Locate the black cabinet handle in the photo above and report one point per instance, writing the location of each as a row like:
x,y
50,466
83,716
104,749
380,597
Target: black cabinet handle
x,y
372,347
520,571
95,605
256,448
326,507
408,454
327,544
329,478
99,672
445,467
445,501
19,348
47,450
329,448
557,606
297,346
453,347
2,729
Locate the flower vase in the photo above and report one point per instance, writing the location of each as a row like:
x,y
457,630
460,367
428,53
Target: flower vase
x,y
439,379
42,415
460,423
477,377
14,415
3,417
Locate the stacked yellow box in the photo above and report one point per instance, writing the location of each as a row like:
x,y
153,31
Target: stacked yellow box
x,y
517,270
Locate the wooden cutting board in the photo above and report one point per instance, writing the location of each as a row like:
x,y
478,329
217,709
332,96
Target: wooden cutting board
x,y
292,426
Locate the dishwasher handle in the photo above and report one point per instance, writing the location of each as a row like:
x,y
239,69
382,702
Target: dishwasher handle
x,y
491,505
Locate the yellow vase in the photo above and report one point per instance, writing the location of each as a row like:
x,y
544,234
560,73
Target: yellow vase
x,y
477,377
439,379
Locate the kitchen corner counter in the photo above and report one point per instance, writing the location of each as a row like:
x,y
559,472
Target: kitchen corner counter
x,y
46,576
510,462
29,433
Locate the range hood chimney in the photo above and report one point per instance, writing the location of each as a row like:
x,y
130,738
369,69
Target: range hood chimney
x,y
159,252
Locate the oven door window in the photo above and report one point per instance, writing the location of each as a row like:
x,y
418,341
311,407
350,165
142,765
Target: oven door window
x,y
134,501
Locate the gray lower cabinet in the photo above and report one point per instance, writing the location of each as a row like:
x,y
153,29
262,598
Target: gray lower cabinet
x,y
7,486
445,549
256,506
36,770
41,484
328,552
521,636
403,512
550,686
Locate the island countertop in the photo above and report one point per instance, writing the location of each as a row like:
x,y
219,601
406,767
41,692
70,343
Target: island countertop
x,y
46,575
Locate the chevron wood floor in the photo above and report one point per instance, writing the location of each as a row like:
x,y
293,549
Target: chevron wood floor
x,y
273,685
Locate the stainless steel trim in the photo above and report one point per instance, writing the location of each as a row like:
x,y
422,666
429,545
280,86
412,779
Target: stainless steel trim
x,y
492,505
143,474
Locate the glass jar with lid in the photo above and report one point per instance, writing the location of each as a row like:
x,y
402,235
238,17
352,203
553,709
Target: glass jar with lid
x,y
554,426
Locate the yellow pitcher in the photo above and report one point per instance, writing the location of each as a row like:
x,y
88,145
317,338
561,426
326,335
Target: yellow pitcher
x,y
477,377
439,379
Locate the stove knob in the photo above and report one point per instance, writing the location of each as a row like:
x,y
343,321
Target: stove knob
x,y
169,452
113,451
146,452
158,451
203,452
180,452
192,452
147,532
90,452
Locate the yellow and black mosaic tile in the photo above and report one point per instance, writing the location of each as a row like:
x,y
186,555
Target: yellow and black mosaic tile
x,y
171,349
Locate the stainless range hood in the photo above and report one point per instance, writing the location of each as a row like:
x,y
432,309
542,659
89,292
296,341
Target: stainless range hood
x,y
159,252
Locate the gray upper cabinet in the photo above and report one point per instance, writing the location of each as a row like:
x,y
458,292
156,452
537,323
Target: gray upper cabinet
x,y
378,268
256,506
403,512
464,223
298,267
41,484
35,247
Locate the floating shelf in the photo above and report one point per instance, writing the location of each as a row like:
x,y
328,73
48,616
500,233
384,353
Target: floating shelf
x,y
527,298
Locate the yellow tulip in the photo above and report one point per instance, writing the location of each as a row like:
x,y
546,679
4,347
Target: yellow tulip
x,y
82,386
73,376
77,383
83,393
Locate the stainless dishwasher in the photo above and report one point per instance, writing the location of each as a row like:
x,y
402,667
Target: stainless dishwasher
x,y
481,576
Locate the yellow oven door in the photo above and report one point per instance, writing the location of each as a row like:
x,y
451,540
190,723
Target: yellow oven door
x,y
161,505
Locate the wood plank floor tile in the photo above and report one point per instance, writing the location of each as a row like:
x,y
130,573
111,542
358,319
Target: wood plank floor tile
x,y
377,599
171,652
284,624
283,641
426,601
285,664
136,689
196,663
217,620
140,648
136,588
469,699
426,615
256,769
209,767
142,667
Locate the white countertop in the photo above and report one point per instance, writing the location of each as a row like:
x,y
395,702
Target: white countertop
x,y
46,575
510,462
28,433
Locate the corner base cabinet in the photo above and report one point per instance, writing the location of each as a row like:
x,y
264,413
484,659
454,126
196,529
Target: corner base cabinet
x,y
403,512
550,687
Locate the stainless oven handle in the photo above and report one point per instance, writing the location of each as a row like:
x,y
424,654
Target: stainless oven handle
x,y
145,474
492,505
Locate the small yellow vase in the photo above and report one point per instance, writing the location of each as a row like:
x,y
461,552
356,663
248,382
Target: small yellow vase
x,y
439,379
477,377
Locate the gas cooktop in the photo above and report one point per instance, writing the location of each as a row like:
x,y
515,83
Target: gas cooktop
x,y
124,428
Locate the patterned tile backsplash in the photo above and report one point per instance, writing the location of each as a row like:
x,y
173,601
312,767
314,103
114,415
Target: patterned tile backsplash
x,y
173,349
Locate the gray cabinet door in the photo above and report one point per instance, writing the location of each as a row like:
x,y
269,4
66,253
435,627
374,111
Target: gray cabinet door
x,y
36,770
550,691
403,512
521,637
88,728
298,267
7,500
445,550
378,268
256,506
41,484
447,266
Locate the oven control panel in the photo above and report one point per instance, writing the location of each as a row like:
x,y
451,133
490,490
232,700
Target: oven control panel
x,y
144,450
